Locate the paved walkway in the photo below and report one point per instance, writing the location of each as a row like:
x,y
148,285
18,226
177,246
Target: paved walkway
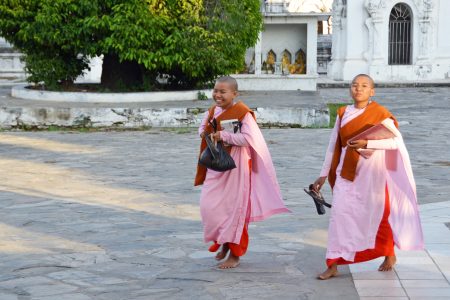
x,y
418,275
113,215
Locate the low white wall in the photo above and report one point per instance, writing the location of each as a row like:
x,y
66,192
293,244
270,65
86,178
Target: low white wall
x,y
276,82
20,91
153,117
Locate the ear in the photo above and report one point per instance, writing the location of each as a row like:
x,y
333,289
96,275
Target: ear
x,y
372,92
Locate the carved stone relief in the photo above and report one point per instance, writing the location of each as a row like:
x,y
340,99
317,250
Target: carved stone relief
x,y
425,9
375,26
339,9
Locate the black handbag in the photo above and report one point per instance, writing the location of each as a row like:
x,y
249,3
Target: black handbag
x,y
215,157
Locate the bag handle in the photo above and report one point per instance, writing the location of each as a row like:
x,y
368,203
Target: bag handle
x,y
213,124
211,117
212,148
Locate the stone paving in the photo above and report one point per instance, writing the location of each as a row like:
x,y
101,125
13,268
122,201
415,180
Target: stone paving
x,y
418,274
114,215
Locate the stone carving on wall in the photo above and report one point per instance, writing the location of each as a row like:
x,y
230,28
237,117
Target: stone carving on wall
x,y
375,26
425,8
423,71
375,7
339,12
339,9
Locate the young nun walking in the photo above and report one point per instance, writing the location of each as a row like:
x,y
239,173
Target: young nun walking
x,y
374,199
230,200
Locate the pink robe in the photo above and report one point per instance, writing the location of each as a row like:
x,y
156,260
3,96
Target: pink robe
x,y
233,198
358,205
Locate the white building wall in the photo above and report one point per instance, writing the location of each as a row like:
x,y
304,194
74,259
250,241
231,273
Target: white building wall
x,y
11,67
309,5
443,39
360,44
443,34
279,37
355,39
285,31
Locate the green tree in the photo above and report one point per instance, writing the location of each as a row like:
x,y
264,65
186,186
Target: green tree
x,y
191,41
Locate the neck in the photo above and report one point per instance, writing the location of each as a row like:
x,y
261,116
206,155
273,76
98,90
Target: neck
x,y
362,104
230,105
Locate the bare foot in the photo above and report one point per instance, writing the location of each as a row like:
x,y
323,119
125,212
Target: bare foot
x,y
388,263
231,262
223,252
330,272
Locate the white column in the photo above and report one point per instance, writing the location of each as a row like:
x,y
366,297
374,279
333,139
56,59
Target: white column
x,y
258,50
311,44
378,42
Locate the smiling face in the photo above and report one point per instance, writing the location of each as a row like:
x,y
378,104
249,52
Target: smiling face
x,y
224,94
361,90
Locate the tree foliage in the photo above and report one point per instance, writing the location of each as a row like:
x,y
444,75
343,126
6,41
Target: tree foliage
x,y
189,41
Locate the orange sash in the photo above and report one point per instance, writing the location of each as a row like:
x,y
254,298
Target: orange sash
x,y
373,115
237,111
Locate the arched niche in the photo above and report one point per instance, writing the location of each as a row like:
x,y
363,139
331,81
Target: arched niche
x,y
299,65
400,35
286,61
270,61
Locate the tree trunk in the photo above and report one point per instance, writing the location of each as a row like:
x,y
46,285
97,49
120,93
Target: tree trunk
x,y
116,75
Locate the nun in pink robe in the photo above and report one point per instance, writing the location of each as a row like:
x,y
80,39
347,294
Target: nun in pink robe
x,y
250,192
357,211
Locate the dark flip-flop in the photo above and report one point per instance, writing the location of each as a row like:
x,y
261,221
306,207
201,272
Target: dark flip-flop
x,y
319,201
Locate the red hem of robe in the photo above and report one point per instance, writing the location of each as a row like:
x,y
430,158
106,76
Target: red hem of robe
x,y
384,243
237,249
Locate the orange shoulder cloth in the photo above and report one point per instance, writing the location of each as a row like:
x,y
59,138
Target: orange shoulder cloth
x,y
237,111
373,115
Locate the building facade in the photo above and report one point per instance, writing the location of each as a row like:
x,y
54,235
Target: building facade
x,y
11,67
286,55
391,40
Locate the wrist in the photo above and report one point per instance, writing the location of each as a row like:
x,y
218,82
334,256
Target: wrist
x,y
223,136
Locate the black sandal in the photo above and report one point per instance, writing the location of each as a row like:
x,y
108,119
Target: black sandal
x,y
319,201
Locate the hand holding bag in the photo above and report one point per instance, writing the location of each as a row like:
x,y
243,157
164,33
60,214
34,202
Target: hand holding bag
x,y
215,157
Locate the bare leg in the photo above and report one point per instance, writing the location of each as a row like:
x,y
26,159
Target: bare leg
x,y
223,252
388,263
231,262
330,272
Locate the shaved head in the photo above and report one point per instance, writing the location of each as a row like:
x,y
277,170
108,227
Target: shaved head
x,y
365,76
229,80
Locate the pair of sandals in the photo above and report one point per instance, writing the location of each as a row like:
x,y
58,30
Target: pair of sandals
x,y
319,200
